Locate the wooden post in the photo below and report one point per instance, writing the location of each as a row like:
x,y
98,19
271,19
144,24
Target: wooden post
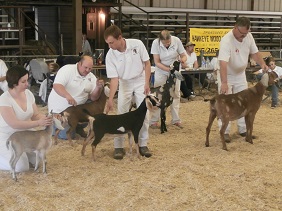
x,y
77,26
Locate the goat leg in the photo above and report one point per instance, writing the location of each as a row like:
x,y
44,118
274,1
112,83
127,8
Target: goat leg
x,y
93,153
249,119
208,129
222,131
37,161
137,150
163,119
57,131
87,141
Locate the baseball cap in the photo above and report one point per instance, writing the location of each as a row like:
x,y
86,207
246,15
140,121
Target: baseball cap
x,y
189,44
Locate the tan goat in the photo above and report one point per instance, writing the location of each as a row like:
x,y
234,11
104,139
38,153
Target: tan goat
x,y
234,106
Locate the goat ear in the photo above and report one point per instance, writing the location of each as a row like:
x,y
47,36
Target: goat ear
x,y
149,104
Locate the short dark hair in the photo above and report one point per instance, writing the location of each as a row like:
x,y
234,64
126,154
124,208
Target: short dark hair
x,y
268,60
112,30
14,74
243,22
164,35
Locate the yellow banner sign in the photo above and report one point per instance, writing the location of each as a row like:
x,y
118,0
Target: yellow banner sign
x,y
207,40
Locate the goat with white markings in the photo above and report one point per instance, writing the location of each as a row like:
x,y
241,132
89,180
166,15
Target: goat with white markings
x,y
31,141
166,92
234,106
130,122
75,114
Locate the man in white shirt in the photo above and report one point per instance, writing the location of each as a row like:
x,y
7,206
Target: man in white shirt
x,y
3,71
166,49
186,86
234,51
86,48
129,68
74,84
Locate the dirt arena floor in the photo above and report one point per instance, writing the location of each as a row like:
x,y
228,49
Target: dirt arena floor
x,y
182,174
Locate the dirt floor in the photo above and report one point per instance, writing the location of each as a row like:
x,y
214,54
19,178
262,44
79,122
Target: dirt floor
x,y
182,174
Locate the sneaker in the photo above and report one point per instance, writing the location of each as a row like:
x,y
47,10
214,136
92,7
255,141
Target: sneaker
x,y
226,138
192,95
273,105
154,125
144,151
119,153
178,124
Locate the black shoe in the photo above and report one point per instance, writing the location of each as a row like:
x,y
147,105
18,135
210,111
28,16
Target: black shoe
x,y
273,105
119,153
245,134
144,151
80,131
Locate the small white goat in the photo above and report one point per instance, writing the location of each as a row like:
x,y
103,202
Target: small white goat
x,y
31,141
234,106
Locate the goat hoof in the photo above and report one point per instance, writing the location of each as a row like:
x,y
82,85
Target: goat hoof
x,y
207,145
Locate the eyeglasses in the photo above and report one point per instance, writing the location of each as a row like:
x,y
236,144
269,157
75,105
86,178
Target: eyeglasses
x,y
242,32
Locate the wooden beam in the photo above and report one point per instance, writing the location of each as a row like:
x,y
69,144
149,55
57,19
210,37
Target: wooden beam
x,y
77,26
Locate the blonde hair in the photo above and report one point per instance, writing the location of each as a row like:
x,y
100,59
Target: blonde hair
x,y
53,67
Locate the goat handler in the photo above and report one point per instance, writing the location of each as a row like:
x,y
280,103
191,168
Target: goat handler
x,y
128,66
235,48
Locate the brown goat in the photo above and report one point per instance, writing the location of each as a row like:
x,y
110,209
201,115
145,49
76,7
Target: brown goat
x,y
234,106
76,114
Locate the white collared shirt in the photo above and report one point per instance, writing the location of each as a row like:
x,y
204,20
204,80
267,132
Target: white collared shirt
x,y
74,83
167,55
128,64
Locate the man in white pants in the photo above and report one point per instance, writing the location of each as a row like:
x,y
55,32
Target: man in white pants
x,y
128,66
3,71
166,49
234,51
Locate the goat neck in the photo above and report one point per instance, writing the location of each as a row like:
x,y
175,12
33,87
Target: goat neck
x,y
265,79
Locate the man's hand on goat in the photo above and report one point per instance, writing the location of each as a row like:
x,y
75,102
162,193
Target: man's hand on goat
x,y
109,106
71,100
224,88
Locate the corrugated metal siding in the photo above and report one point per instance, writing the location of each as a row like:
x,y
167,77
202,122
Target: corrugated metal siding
x,y
268,5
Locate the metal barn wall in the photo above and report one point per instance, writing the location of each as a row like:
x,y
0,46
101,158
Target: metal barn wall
x,y
268,5
243,5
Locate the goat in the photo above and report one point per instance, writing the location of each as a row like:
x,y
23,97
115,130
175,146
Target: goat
x,y
130,122
76,114
31,141
166,92
234,106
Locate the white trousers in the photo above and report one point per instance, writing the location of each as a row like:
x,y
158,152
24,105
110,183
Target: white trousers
x,y
160,79
127,90
233,87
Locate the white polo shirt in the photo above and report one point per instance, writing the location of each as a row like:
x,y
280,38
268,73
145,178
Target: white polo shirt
x,y
278,70
3,71
167,55
236,54
74,83
129,64
191,59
